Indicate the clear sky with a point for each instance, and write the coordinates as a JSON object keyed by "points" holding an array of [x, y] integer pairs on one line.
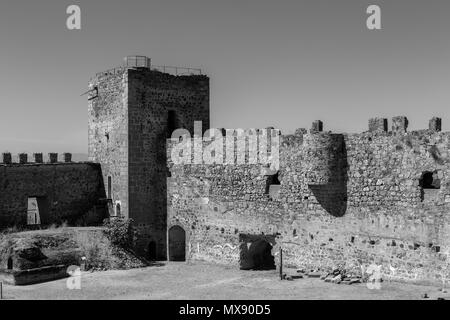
{"points": [[277, 63]]}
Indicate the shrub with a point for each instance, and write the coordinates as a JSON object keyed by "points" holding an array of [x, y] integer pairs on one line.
{"points": [[95, 257], [120, 232]]}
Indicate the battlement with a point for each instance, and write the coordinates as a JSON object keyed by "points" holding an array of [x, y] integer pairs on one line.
{"points": [[373, 195], [400, 124], [38, 158], [380, 125], [319, 147], [375, 126]]}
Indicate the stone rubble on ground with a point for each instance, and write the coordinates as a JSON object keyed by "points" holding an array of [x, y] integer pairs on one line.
{"points": [[337, 276]]}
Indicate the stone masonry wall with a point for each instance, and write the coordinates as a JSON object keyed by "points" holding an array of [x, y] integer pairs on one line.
{"points": [[344, 199], [108, 134], [131, 113], [72, 192], [158, 103]]}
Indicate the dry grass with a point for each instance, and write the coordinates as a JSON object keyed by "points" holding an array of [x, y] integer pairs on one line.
{"points": [[63, 245]]}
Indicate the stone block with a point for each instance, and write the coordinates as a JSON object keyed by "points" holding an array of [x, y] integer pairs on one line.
{"points": [[7, 158], [317, 126], [38, 158], [314, 275], [399, 124], [23, 158], [378, 125], [53, 157], [435, 124], [67, 157]]}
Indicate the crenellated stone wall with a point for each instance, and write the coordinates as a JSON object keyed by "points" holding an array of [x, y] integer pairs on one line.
{"points": [[343, 199]]}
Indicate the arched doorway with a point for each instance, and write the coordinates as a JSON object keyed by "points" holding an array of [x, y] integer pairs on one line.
{"points": [[10, 264], [257, 256], [177, 244]]}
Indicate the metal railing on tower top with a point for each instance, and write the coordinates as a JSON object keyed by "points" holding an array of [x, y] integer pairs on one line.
{"points": [[137, 62], [145, 62], [179, 71]]}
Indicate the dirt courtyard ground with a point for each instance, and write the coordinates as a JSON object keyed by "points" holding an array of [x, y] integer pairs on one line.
{"points": [[209, 282]]}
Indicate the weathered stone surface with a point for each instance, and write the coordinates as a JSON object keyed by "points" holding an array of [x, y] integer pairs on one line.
{"points": [[399, 124], [53, 157], [129, 121], [72, 193], [67, 157], [43, 255], [375, 179], [378, 125], [317, 126], [38, 158], [314, 275], [435, 124], [340, 202], [23, 158], [7, 158]]}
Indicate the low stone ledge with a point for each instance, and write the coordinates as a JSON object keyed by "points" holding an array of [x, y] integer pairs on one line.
{"points": [[33, 276]]}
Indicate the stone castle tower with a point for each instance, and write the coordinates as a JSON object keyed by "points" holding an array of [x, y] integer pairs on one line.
{"points": [[133, 109]]}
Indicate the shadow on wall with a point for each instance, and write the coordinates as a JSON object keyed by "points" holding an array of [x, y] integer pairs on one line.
{"points": [[152, 198], [95, 215], [333, 195]]}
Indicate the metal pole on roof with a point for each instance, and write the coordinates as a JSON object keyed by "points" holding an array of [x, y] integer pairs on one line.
{"points": [[281, 263]]}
